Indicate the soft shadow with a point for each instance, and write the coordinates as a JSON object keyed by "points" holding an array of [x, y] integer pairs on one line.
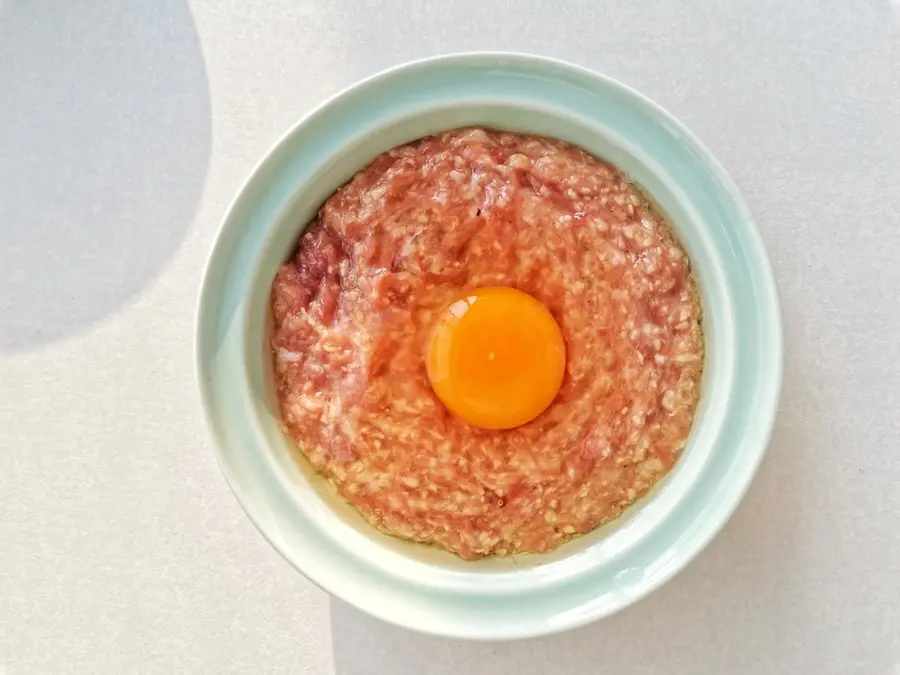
{"points": [[104, 146], [726, 611]]}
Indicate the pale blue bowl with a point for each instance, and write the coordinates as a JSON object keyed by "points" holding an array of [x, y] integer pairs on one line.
{"points": [[426, 589]]}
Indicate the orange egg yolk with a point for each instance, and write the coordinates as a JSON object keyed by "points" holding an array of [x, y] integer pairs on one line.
{"points": [[496, 357]]}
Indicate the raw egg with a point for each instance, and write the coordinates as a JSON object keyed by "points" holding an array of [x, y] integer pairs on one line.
{"points": [[496, 357]]}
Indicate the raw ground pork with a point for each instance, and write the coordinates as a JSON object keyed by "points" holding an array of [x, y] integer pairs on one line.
{"points": [[408, 234]]}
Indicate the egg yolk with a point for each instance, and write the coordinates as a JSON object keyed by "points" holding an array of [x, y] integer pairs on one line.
{"points": [[496, 357]]}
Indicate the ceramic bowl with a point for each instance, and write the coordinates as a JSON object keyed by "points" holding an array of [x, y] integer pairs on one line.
{"points": [[421, 587]]}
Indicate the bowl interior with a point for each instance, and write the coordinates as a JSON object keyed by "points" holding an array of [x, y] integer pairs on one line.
{"points": [[310, 489]]}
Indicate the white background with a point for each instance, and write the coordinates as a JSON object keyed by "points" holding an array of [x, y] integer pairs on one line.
{"points": [[126, 129]]}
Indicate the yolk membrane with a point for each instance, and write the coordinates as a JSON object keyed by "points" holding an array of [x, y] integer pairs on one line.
{"points": [[496, 357]]}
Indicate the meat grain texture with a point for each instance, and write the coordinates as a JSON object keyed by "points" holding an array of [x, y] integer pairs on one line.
{"points": [[464, 209]]}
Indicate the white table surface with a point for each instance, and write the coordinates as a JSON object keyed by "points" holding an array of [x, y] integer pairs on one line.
{"points": [[125, 130]]}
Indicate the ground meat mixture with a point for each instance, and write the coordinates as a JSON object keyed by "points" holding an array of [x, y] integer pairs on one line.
{"points": [[461, 210]]}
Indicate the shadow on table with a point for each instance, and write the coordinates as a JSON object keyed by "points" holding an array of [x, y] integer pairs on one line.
{"points": [[104, 147], [724, 611]]}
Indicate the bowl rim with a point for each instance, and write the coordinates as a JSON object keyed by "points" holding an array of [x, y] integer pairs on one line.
{"points": [[765, 282]]}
